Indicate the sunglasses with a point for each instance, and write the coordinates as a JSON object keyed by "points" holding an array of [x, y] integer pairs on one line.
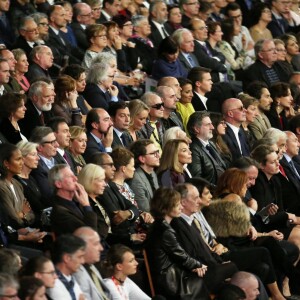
{"points": [[158, 105]]}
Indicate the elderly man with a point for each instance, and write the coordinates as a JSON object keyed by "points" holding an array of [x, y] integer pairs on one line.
{"points": [[185, 41], [207, 162], [235, 138], [42, 60], [71, 206], [9, 287], [248, 283], [266, 68], [41, 96], [88, 276], [190, 9], [154, 129], [158, 16], [4, 74]]}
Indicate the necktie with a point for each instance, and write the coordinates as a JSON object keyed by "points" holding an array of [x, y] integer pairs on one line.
{"points": [[68, 284], [191, 61], [124, 141], [61, 38], [282, 24], [213, 153], [197, 225], [42, 119], [67, 159], [165, 34], [101, 147], [97, 282], [294, 169], [243, 142]]}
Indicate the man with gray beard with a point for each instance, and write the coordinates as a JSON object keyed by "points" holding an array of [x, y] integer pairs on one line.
{"points": [[41, 97]]}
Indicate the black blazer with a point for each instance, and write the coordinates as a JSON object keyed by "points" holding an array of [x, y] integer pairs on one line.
{"points": [[185, 62], [231, 142], [256, 72], [197, 103], [92, 147], [276, 29], [64, 220], [204, 165], [22, 43], [155, 35], [206, 61], [290, 188], [35, 72], [95, 96], [80, 35], [112, 200], [12, 135], [32, 119]]}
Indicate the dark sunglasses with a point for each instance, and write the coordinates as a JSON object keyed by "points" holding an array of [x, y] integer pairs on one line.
{"points": [[158, 105]]}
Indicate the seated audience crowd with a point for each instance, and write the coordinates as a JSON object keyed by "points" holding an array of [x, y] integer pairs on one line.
{"points": [[149, 150]]}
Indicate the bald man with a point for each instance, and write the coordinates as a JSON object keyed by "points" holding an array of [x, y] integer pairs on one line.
{"points": [[248, 283], [235, 138], [88, 276]]}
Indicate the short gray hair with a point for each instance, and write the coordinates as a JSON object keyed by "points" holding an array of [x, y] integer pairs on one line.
{"points": [[55, 174], [136, 20], [38, 16], [39, 133], [26, 147], [147, 97], [195, 120], [36, 89], [177, 35], [103, 57], [7, 281], [274, 135]]}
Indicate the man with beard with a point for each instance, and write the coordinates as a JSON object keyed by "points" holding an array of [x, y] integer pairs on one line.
{"points": [[41, 96], [99, 132], [259, 90], [144, 182], [158, 16], [207, 162]]}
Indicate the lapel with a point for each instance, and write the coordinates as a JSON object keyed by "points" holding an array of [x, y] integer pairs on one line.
{"points": [[143, 178], [232, 138]]}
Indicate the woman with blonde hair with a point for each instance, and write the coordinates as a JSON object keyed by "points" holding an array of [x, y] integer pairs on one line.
{"points": [[92, 177], [176, 154], [77, 145], [139, 112], [65, 103]]}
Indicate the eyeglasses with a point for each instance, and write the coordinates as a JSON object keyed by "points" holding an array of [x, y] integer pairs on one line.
{"points": [[236, 17], [31, 30], [44, 24], [102, 36], [50, 142], [238, 108], [50, 273], [270, 50], [154, 153], [158, 105], [108, 164], [15, 296]]}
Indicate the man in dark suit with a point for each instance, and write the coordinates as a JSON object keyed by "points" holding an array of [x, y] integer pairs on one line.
{"points": [[291, 182], [39, 105], [4, 74], [62, 134], [29, 34], [235, 114], [158, 16], [190, 9], [71, 208], [202, 84], [208, 58], [65, 51], [189, 237], [81, 18], [110, 9], [42, 60], [47, 150], [185, 42], [120, 116], [266, 68], [6, 31], [207, 162], [99, 132]]}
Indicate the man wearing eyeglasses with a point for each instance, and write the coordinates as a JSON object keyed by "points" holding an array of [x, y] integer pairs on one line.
{"points": [[266, 68], [29, 35], [190, 9], [47, 150], [235, 114], [144, 182], [154, 128], [9, 287]]}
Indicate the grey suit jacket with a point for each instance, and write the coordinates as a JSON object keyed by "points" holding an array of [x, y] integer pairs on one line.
{"points": [[142, 188], [185, 63], [259, 126], [87, 285]]}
